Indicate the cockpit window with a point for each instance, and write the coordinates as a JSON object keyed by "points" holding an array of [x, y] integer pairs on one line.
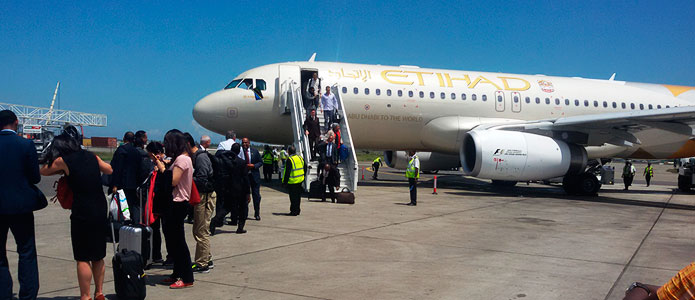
{"points": [[260, 84], [232, 84], [246, 84]]}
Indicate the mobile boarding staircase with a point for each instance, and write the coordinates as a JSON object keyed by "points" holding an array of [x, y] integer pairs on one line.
{"points": [[291, 97]]}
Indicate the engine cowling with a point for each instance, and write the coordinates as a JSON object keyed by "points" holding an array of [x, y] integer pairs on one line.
{"points": [[519, 156], [429, 161]]}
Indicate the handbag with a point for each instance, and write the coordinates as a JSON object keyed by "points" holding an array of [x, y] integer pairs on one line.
{"points": [[41, 201], [345, 196], [195, 196], [63, 193]]}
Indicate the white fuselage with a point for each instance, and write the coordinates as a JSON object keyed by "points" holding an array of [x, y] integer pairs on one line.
{"points": [[398, 108]]}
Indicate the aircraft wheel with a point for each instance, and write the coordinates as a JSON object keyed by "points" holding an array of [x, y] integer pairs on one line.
{"points": [[503, 183], [684, 183], [588, 185]]}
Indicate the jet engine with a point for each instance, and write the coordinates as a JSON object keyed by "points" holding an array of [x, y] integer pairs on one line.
{"points": [[429, 161], [519, 156]]}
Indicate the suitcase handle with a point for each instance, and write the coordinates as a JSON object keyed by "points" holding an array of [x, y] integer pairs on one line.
{"points": [[345, 189]]}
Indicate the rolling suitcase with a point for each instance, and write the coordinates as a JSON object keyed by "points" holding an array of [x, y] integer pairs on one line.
{"points": [[315, 190], [128, 274], [138, 236]]}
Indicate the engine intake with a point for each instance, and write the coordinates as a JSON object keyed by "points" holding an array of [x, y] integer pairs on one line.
{"points": [[429, 161], [519, 156]]}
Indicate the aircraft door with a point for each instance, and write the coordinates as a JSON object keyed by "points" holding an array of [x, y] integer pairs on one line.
{"points": [[516, 102], [288, 77], [499, 101]]}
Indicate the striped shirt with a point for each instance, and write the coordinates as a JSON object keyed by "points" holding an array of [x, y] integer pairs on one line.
{"points": [[680, 287]]}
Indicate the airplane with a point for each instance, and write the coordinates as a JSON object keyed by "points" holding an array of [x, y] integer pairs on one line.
{"points": [[499, 126]]}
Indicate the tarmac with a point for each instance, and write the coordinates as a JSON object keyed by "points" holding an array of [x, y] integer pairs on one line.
{"points": [[470, 241]]}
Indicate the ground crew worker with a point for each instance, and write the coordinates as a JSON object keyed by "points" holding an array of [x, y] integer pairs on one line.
{"points": [[283, 159], [413, 174], [648, 173], [295, 168], [375, 165], [267, 164], [276, 155], [628, 174]]}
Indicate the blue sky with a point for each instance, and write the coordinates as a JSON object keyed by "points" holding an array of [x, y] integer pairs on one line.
{"points": [[146, 63]]}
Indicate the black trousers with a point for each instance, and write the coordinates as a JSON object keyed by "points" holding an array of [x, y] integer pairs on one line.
{"points": [[157, 239], [268, 172], [22, 227], [331, 190], [236, 203], [176, 241], [295, 191], [628, 181], [412, 185], [648, 179], [376, 170], [312, 146], [256, 195]]}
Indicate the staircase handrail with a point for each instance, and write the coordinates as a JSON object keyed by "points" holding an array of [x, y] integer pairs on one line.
{"points": [[346, 138]]}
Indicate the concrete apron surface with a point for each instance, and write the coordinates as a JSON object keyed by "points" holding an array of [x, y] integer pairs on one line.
{"points": [[471, 241]]}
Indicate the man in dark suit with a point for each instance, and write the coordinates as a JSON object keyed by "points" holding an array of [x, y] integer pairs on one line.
{"points": [[312, 129], [127, 170], [254, 162], [236, 190], [18, 200], [328, 153], [329, 177]]}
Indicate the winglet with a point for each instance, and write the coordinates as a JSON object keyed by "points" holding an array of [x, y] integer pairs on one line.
{"points": [[313, 57], [612, 77]]}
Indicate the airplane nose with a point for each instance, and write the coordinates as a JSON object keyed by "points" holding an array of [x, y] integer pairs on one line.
{"points": [[209, 109]]}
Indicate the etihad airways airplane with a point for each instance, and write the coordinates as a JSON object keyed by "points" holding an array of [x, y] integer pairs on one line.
{"points": [[504, 127]]}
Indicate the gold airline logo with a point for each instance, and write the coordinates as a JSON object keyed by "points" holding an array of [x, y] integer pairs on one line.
{"points": [[402, 77]]}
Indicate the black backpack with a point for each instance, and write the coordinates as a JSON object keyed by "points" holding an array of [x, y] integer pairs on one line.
{"points": [[129, 275], [209, 185]]}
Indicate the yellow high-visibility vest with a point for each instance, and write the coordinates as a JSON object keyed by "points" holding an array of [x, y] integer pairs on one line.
{"points": [[267, 158], [411, 171], [297, 171]]}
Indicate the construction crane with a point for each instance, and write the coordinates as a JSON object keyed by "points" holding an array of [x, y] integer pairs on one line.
{"points": [[40, 124]]}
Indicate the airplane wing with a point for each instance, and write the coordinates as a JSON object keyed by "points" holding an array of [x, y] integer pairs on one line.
{"points": [[612, 128]]}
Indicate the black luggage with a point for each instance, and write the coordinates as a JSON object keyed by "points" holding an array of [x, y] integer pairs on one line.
{"points": [[129, 276], [315, 190]]}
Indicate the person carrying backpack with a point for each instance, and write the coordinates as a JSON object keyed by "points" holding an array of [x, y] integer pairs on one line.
{"points": [[203, 176]]}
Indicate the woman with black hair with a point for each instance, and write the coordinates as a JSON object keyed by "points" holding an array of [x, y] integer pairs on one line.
{"points": [[181, 167], [88, 215]]}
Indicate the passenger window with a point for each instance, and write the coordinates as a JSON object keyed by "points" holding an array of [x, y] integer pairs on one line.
{"points": [[605, 104], [499, 98], [567, 102], [538, 100], [344, 90], [595, 103], [400, 93], [422, 94], [432, 95], [615, 105], [388, 92], [453, 96], [622, 104], [410, 94], [473, 97], [576, 102], [484, 97], [658, 106], [355, 91], [260, 84], [667, 106], [378, 92], [232, 84], [632, 105], [463, 96], [586, 103], [641, 106], [557, 101], [516, 99], [366, 91], [442, 95], [528, 100], [547, 101], [651, 107]]}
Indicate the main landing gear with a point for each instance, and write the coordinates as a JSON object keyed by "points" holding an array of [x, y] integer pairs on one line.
{"points": [[585, 184]]}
